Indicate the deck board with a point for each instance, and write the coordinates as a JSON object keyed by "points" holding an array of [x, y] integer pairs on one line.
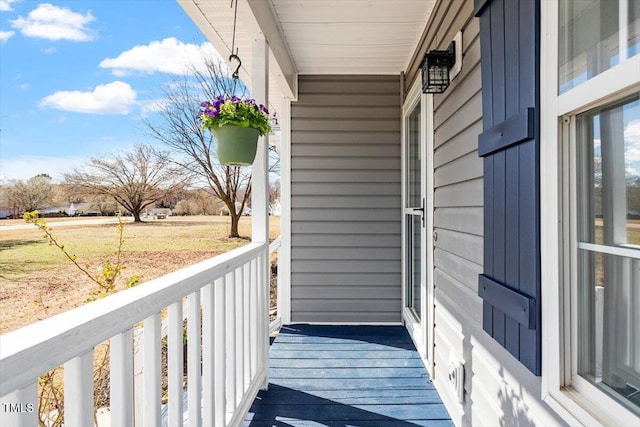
{"points": [[340, 376]]}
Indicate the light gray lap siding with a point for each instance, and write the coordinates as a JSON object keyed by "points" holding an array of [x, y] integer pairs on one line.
{"points": [[345, 199]]}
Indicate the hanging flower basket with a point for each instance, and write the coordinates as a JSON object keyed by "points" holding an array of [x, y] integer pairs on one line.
{"points": [[235, 145], [236, 125]]}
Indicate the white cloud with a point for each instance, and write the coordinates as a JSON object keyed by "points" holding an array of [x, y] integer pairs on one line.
{"points": [[632, 147], [6, 35], [167, 56], [29, 166], [153, 106], [5, 5], [55, 23], [632, 132], [112, 98]]}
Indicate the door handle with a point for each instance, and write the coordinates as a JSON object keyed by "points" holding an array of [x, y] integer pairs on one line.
{"points": [[421, 210]]}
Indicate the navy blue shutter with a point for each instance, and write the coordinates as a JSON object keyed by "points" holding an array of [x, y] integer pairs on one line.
{"points": [[509, 145]]}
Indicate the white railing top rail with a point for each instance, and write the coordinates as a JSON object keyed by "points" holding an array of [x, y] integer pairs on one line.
{"points": [[275, 245], [28, 352]]}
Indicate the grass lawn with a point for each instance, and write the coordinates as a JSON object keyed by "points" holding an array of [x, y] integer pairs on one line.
{"points": [[37, 281]]}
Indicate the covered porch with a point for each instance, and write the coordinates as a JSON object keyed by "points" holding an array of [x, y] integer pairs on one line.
{"points": [[337, 73], [411, 261], [346, 375], [340, 261]]}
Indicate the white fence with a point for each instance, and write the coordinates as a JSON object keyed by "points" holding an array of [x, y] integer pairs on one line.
{"points": [[225, 301]]}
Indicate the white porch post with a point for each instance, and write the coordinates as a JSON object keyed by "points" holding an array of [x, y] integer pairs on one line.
{"points": [[260, 198], [260, 171], [284, 257]]}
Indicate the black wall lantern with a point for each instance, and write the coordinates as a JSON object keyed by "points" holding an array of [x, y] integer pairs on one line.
{"points": [[435, 69]]}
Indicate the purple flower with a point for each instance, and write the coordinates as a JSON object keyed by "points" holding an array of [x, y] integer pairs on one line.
{"points": [[264, 109]]}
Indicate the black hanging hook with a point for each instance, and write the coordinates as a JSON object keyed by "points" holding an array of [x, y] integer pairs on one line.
{"points": [[234, 51], [236, 72]]}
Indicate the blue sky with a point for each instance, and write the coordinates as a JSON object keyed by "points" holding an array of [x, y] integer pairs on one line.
{"points": [[77, 76]]}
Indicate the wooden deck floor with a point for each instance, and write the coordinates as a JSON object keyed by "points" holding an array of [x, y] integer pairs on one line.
{"points": [[339, 376]]}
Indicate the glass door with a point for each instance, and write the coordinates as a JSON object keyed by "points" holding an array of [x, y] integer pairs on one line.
{"points": [[414, 212], [417, 221]]}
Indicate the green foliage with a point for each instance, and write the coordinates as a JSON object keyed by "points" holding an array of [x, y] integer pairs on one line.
{"points": [[51, 392], [109, 272], [235, 111]]}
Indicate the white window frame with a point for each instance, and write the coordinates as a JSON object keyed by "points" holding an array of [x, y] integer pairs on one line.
{"points": [[577, 401]]}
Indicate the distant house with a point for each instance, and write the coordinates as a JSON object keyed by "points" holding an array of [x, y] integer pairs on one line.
{"points": [[83, 209], [224, 210], [275, 208], [56, 211], [160, 213]]}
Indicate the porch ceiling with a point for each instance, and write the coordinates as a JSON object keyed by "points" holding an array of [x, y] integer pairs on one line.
{"points": [[352, 36], [317, 37]]}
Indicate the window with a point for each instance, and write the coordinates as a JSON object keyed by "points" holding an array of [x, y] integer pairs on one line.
{"points": [[608, 249], [594, 36], [590, 209]]}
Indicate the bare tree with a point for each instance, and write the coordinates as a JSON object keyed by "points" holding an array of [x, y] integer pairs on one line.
{"points": [[36, 193], [274, 192], [135, 179], [106, 204], [204, 201], [178, 127]]}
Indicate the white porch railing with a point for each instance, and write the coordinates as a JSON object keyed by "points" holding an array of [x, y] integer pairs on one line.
{"points": [[226, 308]]}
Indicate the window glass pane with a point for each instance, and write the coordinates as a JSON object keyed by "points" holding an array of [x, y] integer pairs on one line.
{"points": [[632, 170], [595, 35], [414, 260], [609, 155], [414, 199], [608, 150], [634, 28], [589, 39], [609, 325]]}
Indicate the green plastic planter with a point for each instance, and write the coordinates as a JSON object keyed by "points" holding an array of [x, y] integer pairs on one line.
{"points": [[235, 145]]}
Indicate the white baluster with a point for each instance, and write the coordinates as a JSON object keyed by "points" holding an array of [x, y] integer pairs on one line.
{"points": [[231, 342], [121, 380], [239, 312], [78, 391], [20, 408], [219, 371], [151, 388], [194, 369], [253, 295], [246, 303], [264, 311], [208, 349], [176, 364]]}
